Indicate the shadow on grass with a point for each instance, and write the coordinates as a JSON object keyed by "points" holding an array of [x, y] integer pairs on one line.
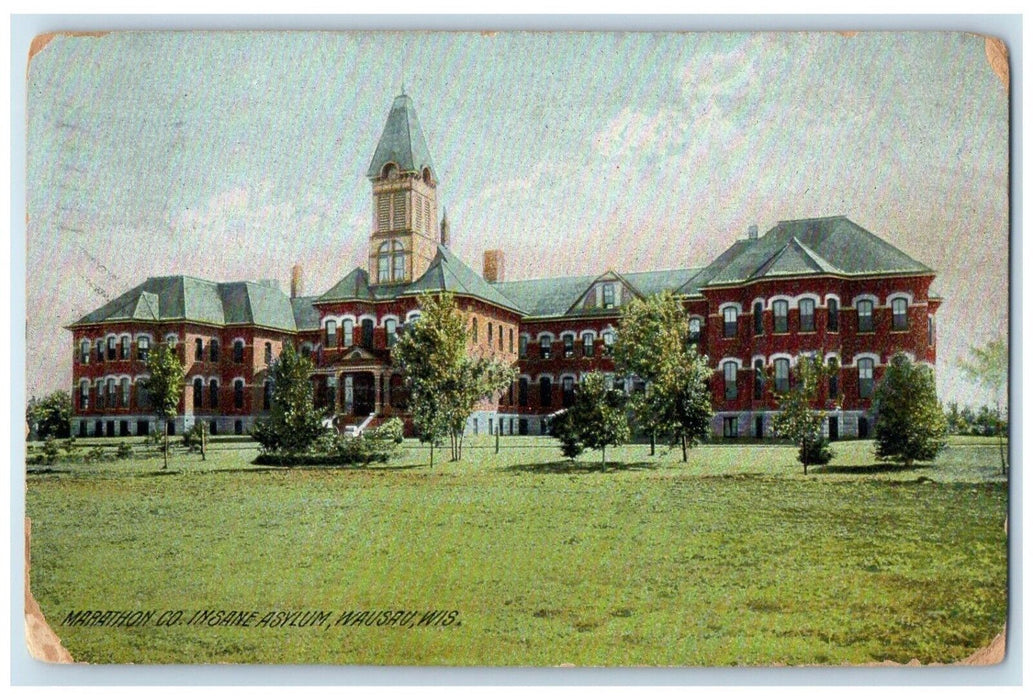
{"points": [[266, 468], [877, 468], [46, 470], [568, 467]]}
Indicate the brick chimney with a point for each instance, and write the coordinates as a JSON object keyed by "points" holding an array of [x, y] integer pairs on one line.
{"points": [[752, 231], [297, 285], [494, 266]]}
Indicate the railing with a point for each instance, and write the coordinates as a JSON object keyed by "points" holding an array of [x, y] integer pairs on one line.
{"points": [[356, 430]]}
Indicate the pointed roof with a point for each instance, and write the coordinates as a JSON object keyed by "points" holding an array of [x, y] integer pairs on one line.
{"points": [[354, 285], [402, 141]]}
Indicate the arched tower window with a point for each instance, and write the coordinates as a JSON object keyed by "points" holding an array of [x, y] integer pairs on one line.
{"points": [[390, 262]]}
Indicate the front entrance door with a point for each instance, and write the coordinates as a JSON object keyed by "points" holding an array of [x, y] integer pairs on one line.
{"points": [[833, 428], [365, 396]]}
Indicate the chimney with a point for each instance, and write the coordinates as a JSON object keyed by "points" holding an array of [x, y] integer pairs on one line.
{"points": [[494, 266], [444, 227], [752, 231], [297, 286]]}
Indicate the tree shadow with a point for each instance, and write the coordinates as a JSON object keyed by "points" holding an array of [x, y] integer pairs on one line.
{"points": [[867, 469], [35, 471], [569, 467]]}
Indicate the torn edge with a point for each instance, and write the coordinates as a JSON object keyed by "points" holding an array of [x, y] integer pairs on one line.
{"points": [[42, 643]]}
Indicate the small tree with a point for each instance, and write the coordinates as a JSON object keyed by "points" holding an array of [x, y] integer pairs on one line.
{"points": [[988, 367], [50, 416], [653, 345], [597, 419], [446, 383], [909, 425], [798, 419], [165, 387], [294, 424]]}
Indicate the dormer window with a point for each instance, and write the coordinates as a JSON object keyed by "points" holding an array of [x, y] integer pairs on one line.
{"points": [[608, 296]]}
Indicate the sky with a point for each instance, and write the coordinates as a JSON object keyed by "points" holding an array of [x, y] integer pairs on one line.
{"points": [[233, 156]]}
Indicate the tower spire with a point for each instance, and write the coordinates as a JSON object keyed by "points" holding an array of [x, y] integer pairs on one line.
{"points": [[444, 226]]}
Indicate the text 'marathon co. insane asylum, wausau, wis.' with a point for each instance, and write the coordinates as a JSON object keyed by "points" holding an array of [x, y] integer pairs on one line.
{"points": [[815, 285]]}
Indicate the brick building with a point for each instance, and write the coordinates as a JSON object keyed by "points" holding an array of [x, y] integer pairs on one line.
{"points": [[822, 285]]}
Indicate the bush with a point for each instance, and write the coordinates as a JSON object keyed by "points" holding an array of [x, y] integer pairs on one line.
{"points": [[193, 437], [815, 452], [124, 451], [50, 451], [94, 454], [333, 449]]}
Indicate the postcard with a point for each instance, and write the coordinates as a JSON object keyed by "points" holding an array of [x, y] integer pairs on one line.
{"points": [[606, 349]]}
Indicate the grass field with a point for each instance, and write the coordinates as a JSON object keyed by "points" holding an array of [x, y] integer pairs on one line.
{"points": [[735, 558]]}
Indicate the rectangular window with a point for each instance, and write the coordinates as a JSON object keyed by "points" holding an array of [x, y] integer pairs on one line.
{"points": [[125, 392], [932, 331], [545, 344], [511, 340], [238, 351], [864, 317], [806, 315], [522, 391], [198, 393], [100, 350], [545, 392], [780, 314], [367, 333], [588, 345], [112, 394], [198, 350], [731, 322], [833, 385], [383, 212], [731, 375], [267, 395], [833, 316], [491, 334], [100, 394], [695, 330], [758, 318], [111, 349], [568, 392], [568, 345], [268, 353], [608, 340], [143, 348], [213, 393], [781, 376], [347, 333], [84, 352], [331, 334], [865, 377], [608, 296], [523, 347], [391, 329], [123, 348], [731, 427], [398, 210], [84, 396], [143, 399], [758, 379], [213, 350], [238, 394]]}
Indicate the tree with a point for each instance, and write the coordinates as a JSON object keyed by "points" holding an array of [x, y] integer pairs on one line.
{"points": [[51, 416], [446, 383], [798, 419], [597, 419], [988, 367], [653, 345], [956, 421], [164, 387], [294, 424], [909, 424]]}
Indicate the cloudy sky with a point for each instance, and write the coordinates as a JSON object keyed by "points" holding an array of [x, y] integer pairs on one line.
{"points": [[234, 155]]}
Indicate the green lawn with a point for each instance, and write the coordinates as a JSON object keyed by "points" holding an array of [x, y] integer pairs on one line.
{"points": [[733, 558]]}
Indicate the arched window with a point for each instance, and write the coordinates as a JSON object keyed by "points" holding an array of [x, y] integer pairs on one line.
{"points": [[84, 352], [213, 350], [588, 345], [490, 336], [731, 322], [695, 330], [100, 350], [781, 375], [198, 350], [865, 377], [124, 386], [568, 392], [806, 315], [112, 393], [545, 345], [390, 262], [833, 316], [391, 328], [900, 314], [931, 330], [864, 317], [238, 393], [568, 345], [522, 391], [238, 351], [100, 393], [758, 379], [608, 340], [198, 392], [833, 379], [511, 339], [523, 347], [780, 315], [306, 349], [143, 398], [545, 391], [367, 333], [758, 318], [143, 348], [331, 334], [473, 330], [123, 347], [268, 353], [731, 383], [213, 393], [348, 333], [267, 395], [84, 392], [111, 349]]}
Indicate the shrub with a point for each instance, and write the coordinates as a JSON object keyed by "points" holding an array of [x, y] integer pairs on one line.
{"points": [[815, 452], [124, 451], [50, 451], [94, 454]]}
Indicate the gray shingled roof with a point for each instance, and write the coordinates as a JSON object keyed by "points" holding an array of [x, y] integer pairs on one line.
{"points": [[827, 245], [556, 295], [445, 273], [402, 141], [180, 297]]}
